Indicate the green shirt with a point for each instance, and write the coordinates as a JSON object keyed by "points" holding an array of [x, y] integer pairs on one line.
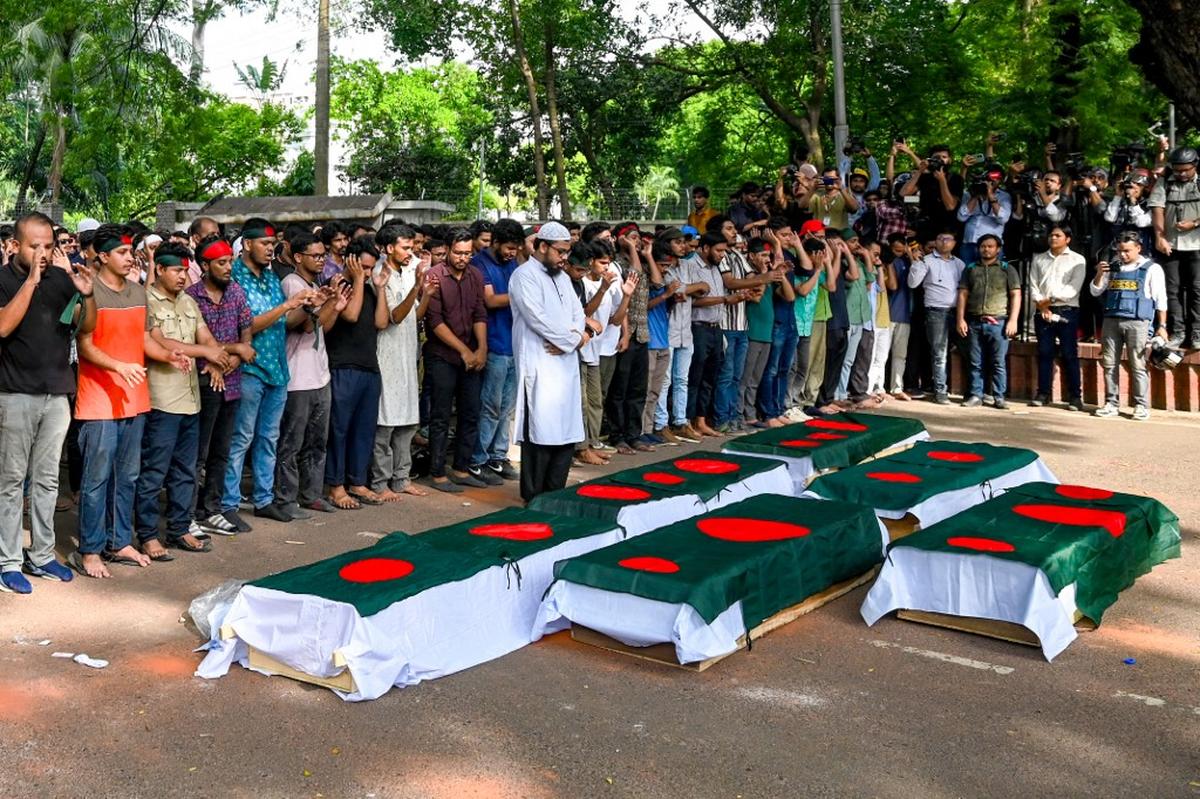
{"points": [[858, 304], [806, 305], [760, 317], [988, 288]]}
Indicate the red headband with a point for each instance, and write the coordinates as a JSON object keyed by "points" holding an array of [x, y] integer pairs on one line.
{"points": [[627, 229], [218, 249]]}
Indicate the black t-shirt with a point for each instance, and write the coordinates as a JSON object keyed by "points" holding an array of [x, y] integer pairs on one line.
{"points": [[353, 344], [35, 358], [934, 216]]}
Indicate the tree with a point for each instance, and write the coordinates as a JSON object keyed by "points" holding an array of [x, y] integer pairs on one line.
{"points": [[1169, 52], [659, 182], [321, 145], [262, 80]]}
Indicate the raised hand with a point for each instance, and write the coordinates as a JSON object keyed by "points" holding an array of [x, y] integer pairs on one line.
{"points": [[353, 268], [630, 284], [380, 277]]}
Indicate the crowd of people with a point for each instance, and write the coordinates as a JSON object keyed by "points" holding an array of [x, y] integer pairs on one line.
{"points": [[305, 369]]}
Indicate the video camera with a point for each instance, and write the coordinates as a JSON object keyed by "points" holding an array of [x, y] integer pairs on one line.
{"points": [[1076, 166], [1127, 156], [936, 164]]}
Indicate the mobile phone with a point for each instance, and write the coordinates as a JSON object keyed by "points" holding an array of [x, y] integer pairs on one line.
{"points": [[829, 181]]}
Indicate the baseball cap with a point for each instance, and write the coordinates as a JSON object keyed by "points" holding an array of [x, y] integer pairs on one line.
{"points": [[860, 172], [689, 232], [672, 233], [812, 226], [86, 224]]}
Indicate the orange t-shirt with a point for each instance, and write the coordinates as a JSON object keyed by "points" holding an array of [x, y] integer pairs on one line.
{"points": [[121, 324]]}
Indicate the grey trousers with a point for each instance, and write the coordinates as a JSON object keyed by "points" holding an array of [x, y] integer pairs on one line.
{"points": [[799, 373], [303, 441], [391, 466], [900, 331], [757, 355], [659, 371], [1134, 335], [593, 402], [816, 365], [32, 430]]}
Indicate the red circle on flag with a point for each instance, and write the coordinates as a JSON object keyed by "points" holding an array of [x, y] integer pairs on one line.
{"points": [[980, 544], [954, 457], [663, 478], [524, 531], [1082, 492], [893, 477], [706, 466], [834, 424], [375, 570], [649, 563], [827, 436], [627, 493], [749, 531], [799, 442], [1111, 520]]}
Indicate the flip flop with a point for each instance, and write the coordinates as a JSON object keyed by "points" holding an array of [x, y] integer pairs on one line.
{"points": [[179, 543], [111, 557], [164, 557], [75, 561], [363, 499]]}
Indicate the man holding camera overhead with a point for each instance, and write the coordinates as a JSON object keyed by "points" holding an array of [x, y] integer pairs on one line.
{"points": [[939, 191], [1175, 205], [985, 208]]}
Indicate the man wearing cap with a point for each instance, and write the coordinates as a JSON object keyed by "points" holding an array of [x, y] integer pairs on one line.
{"points": [[172, 429], [38, 291], [548, 330], [984, 214], [1175, 206], [265, 381]]}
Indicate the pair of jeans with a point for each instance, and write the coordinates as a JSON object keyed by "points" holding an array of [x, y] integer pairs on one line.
{"points": [[497, 403], [677, 389], [112, 457], [937, 331], [799, 372], [756, 364], [303, 438], [988, 348], [1182, 271], [1134, 336], [451, 386], [32, 430], [625, 398], [1053, 337], [852, 342], [255, 433], [707, 354], [729, 380], [217, 420], [772, 392], [353, 412], [169, 444]]}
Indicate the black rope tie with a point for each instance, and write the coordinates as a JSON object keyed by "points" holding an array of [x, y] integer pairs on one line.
{"points": [[511, 567]]}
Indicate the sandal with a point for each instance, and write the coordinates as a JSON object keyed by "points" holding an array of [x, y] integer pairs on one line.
{"points": [[363, 498], [180, 543], [108, 556]]}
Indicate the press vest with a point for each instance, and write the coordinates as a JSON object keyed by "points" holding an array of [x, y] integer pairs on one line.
{"points": [[1126, 295]]}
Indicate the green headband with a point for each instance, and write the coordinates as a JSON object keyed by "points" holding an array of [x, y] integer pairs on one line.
{"points": [[258, 233], [168, 260], [112, 243]]}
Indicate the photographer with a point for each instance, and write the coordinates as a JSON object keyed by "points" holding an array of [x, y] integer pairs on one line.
{"points": [[1175, 204], [985, 208], [748, 209], [833, 203], [1128, 210], [938, 190], [793, 193]]}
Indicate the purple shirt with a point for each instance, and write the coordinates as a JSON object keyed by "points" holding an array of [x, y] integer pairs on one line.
{"points": [[226, 320], [459, 305]]}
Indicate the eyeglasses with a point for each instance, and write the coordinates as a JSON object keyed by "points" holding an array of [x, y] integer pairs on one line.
{"points": [[312, 254], [560, 251], [945, 238]]}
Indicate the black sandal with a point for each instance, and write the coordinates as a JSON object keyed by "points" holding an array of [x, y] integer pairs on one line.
{"points": [[179, 543]]}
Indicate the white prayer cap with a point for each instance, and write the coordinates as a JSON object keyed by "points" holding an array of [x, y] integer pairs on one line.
{"points": [[553, 231], [86, 224], [153, 240]]}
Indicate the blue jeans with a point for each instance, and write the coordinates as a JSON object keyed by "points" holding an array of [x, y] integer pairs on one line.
{"points": [[1050, 337], [937, 329], [255, 431], [354, 409], [681, 364], [856, 334], [169, 447], [112, 456], [498, 400], [988, 345], [772, 391], [729, 379]]}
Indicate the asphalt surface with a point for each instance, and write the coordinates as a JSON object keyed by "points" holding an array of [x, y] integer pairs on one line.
{"points": [[822, 707]]}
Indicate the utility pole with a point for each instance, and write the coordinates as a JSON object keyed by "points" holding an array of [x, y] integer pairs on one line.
{"points": [[1171, 125], [841, 131], [321, 145]]}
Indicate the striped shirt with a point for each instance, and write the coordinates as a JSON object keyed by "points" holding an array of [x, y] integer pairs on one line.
{"points": [[735, 265]]}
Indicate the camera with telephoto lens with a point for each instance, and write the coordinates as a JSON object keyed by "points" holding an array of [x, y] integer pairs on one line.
{"points": [[854, 146], [978, 186], [1127, 156], [936, 164], [1076, 166]]}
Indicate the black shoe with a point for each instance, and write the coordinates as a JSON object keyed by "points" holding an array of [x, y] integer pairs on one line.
{"points": [[1075, 405], [1000, 404], [238, 523], [505, 470], [469, 480], [486, 475], [1039, 400], [273, 511]]}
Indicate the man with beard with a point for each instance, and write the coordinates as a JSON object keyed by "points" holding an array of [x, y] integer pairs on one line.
{"points": [[336, 239], [548, 330], [35, 380]]}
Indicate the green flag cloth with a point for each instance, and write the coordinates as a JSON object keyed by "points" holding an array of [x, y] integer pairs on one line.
{"points": [[705, 474], [601, 499], [1099, 540], [769, 552], [908, 478], [832, 442], [399, 566]]}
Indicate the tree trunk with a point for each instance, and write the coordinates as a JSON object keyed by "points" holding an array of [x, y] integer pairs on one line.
{"points": [[654, 213], [31, 166], [560, 166], [1169, 53], [54, 181], [321, 145], [535, 110], [587, 147], [1064, 130], [202, 12]]}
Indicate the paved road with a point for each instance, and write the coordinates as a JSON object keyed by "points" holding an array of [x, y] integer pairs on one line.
{"points": [[822, 707]]}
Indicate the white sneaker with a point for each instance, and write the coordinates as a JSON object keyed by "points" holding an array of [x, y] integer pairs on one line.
{"points": [[217, 523], [195, 532], [1141, 413], [1106, 411]]}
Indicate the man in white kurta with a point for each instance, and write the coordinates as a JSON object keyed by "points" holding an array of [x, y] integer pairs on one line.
{"points": [[548, 330]]}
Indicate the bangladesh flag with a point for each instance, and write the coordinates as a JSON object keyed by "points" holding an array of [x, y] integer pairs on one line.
{"points": [[648, 497], [704, 582], [933, 479], [410, 608], [831, 442]]}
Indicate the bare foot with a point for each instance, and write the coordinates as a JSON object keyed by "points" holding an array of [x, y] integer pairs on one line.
{"points": [[341, 499], [364, 494], [128, 551], [389, 496], [93, 566], [589, 458], [153, 549], [415, 490], [774, 423]]}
